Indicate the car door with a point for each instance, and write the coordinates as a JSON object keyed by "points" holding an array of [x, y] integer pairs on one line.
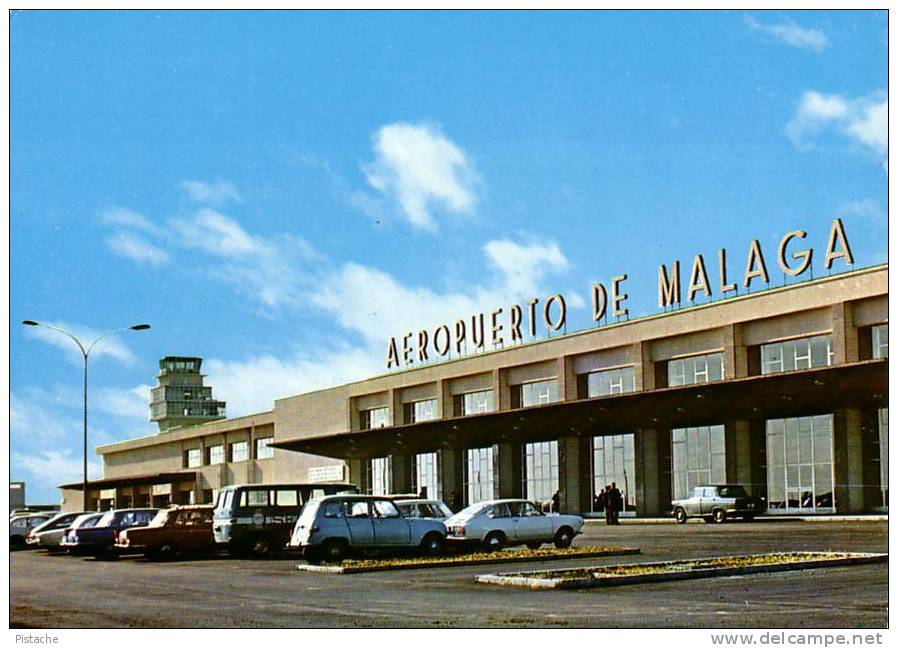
{"points": [[708, 497], [390, 528], [358, 521], [499, 519], [530, 523]]}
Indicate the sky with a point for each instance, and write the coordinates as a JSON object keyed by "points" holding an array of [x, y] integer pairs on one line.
{"points": [[282, 193]]}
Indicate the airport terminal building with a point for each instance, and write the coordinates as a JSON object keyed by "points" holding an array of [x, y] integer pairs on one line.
{"points": [[784, 390]]}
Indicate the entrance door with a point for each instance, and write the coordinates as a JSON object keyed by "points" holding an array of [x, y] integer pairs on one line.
{"points": [[800, 465]]}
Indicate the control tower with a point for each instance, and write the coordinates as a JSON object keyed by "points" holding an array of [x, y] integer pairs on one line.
{"points": [[181, 399]]}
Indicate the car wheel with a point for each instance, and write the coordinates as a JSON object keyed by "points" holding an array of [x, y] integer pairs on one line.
{"points": [[718, 516], [534, 545], [494, 541], [432, 544], [680, 516], [260, 547], [564, 537], [333, 550], [167, 551]]}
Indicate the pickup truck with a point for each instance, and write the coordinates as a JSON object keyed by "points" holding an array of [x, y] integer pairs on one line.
{"points": [[715, 504]]}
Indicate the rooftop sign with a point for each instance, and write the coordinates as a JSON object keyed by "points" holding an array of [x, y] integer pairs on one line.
{"points": [[503, 325]]}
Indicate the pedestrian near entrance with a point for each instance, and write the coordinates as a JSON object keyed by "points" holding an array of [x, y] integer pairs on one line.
{"points": [[455, 501], [598, 502], [556, 501], [609, 505], [617, 504]]}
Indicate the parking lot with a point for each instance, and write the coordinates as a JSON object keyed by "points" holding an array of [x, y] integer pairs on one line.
{"points": [[58, 591]]}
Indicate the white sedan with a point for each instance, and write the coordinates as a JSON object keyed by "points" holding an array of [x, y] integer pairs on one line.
{"points": [[498, 523]]}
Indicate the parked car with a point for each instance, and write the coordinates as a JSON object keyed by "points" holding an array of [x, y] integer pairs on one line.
{"points": [[48, 534], [99, 540], [181, 529], [498, 523], [84, 521], [423, 508], [329, 527], [258, 518], [21, 525], [715, 504]]}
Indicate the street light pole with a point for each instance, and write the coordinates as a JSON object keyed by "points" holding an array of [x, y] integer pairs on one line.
{"points": [[85, 353]]}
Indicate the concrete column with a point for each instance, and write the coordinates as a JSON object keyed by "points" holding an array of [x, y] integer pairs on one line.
{"points": [[357, 473], [444, 400], [757, 438], [396, 410], [401, 471], [844, 338], [848, 459], [737, 440], [574, 476], [644, 377], [450, 472], [734, 352], [567, 380], [652, 450], [501, 391], [508, 471]]}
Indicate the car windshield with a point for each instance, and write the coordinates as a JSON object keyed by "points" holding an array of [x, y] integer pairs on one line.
{"points": [[732, 491], [472, 510], [106, 520]]}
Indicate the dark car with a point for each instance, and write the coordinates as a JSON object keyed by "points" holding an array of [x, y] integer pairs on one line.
{"points": [[715, 504], [99, 540], [182, 529]]}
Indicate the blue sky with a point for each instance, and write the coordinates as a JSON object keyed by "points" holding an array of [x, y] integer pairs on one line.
{"points": [[280, 193]]}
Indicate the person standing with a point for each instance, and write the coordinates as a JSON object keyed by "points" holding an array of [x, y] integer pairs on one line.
{"points": [[598, 502], [617, 504], [609, 505]]}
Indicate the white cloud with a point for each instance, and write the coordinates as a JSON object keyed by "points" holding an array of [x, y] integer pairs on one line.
{"points": [[50, 468], [791, 34], [523, 266], [111, 345], [137, 248], [420, 169], [217, 234], [868, 208], [130, 219], [216, 193], [127, 403], [863, 119]]}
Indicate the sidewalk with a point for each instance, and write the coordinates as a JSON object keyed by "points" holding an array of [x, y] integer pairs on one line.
{"points": [[877, 517]]}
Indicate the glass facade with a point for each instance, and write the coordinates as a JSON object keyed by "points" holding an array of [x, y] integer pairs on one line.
{"points": [[374, 418], [263, 450], [380, 476], [611, 381], [695, 369], [540, 475], [215, 455], [424, 410], [800, 465], [539, 393], [193, 458], [881, 341], [698, 456], [477, 402], [426, 474], [884, 456], [613, 461], [791, 355], [479, 484]]}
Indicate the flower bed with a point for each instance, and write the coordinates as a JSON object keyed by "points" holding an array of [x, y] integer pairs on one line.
{"points": [[600, 576], [479, 558]]}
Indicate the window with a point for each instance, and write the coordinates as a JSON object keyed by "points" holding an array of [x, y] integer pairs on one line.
{"points": [[425, 410], [193, 458], [540, 470], [800, 465], [239, 451], [215, 455], [792, 355], [254, 498], [479, 474], [695, 369], [286, 498], [499, 511], [358, 510], [380, 476], [426, 475], [476, 402], [537, 393], [384, 509], [881, 341], [374, 418], [884, 456], [333, 510], [263, 449], [613, 461], [698, 458], [611, 381]]}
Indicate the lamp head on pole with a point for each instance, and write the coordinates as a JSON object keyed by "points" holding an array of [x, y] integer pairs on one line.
{"points": [[140, 327], [30, 323]]}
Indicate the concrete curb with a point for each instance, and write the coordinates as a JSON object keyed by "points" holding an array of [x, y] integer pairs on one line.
{"points": [[522, 579], [337, 569], [762, 519]]}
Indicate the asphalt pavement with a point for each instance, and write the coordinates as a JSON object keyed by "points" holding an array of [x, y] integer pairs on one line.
{"points": [[59, 591]]}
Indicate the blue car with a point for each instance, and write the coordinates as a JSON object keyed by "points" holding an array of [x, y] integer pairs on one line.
{"points": [[99, 540]]}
